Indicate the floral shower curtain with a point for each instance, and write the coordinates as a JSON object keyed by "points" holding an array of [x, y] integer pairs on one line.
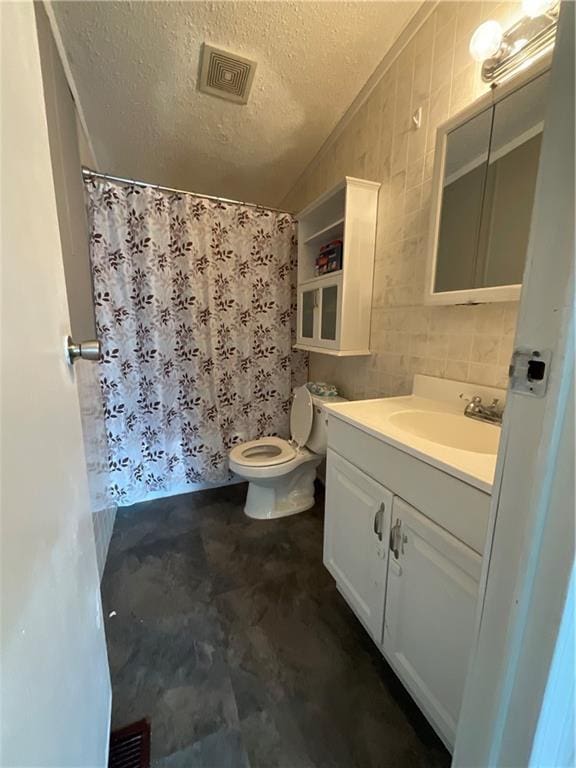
{"points": [[195, 310]]}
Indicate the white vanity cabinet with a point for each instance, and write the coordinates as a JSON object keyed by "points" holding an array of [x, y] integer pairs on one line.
{"points": [[356, 539], [404, 541], [429, 614]]}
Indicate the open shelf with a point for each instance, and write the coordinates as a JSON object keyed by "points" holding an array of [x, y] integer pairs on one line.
{"points": [[324, 210], [319, 224], [319, 279], [327, 233]]}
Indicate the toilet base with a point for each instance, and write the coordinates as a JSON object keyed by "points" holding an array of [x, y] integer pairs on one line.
{"points": [[269, 498]]}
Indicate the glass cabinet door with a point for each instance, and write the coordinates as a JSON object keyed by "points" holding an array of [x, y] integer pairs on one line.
{"points": [[465, 167], [308, 304], [319, 313], [510, 185], [329, 312]]}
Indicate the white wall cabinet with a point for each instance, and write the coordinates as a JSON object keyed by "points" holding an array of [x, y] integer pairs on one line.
{"points": [[334, 309], [319, 312], [356, 532], [412, 584], [429, 615]]}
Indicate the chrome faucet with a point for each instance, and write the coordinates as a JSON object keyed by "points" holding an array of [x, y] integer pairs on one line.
{"points": [[476, 410]]}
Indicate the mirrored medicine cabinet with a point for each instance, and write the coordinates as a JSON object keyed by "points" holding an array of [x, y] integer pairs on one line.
{"points": [[485, 172]]}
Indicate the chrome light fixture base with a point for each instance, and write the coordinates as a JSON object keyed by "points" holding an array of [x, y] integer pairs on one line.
{"points": [[527, 40]]}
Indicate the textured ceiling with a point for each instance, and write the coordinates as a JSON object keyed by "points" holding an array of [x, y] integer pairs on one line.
{"points": [[135, 65]]}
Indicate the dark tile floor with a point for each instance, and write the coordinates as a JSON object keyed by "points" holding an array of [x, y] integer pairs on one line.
{"points": [[230, 636]]}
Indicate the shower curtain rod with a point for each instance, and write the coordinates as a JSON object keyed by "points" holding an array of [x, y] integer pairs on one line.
{"points": [[87, 173]]}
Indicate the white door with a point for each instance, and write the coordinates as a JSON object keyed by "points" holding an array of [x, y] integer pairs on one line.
{"points": [[429, 618], [531, 531], [55, 688], [356, 529]]}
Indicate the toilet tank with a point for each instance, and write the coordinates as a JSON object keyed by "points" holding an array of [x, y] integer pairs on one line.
{"points": [[319, 434]]}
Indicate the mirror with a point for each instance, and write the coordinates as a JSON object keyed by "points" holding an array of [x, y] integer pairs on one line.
{"points": [[463, 190], [486, 172]]}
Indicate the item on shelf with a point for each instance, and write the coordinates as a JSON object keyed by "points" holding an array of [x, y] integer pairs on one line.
{"points": [[322, 389], [329, 258]]}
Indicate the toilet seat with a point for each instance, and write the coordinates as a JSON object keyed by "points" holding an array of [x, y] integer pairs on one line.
{"points": [[264, 452], [272, 451]]}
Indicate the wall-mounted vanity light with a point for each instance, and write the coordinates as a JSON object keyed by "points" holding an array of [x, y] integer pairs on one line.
{"points": [[501, 53]]}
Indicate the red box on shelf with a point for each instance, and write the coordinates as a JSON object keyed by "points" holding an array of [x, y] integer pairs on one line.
{"points": [[330, 258]]}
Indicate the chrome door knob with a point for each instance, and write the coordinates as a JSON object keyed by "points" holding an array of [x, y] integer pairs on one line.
{"points": [[85, 350]]}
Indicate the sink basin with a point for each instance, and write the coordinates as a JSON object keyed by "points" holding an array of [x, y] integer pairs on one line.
{"points": [[449, 429]]}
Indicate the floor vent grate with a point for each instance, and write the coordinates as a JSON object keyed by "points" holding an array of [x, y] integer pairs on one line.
{"points": [[130, 746]]}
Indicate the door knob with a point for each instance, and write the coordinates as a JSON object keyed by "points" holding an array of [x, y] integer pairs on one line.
{"points": [[85, 350]]}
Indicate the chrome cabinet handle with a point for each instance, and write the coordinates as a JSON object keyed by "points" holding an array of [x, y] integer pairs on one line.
{"points": [[85, 350], [378, 521], [394, 535]]}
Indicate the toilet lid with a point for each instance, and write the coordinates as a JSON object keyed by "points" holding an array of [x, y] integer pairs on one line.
{"points": [[301, 416]]}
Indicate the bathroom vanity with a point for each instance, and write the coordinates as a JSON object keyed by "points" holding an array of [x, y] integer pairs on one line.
{"points": [[407, 503]]}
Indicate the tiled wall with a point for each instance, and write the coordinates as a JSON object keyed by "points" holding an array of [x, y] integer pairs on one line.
{"points": [[433, 71]]}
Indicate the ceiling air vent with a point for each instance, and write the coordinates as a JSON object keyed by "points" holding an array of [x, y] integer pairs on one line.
{"points": [[226, 74]]}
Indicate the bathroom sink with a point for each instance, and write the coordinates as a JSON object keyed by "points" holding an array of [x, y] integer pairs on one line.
{"points": [[448, 429], [430, 425]]}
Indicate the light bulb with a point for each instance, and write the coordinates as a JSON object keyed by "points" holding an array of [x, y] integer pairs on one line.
{"points": [[535, 8], [486, 41]]}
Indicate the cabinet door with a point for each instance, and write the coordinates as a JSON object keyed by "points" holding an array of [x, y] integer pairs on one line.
{"points": [[330, 311], [430, 613], [356, 530], [308, 315]]}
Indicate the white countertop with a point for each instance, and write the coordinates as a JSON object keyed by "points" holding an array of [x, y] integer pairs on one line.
{"points": [[373, 417]]}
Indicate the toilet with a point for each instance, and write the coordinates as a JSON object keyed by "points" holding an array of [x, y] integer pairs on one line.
{"points": [[280, 472]]}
